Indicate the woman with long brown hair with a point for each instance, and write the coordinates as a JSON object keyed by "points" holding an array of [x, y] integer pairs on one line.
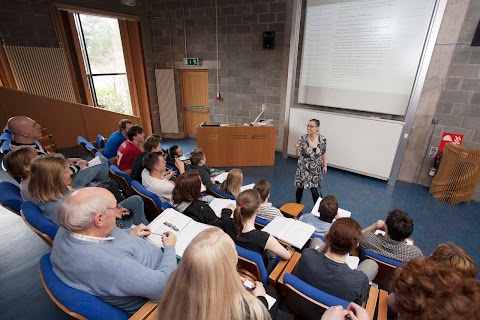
{"points": [[233, 184]]}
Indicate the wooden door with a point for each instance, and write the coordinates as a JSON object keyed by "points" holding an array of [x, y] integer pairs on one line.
{"points": [[194, 92]]}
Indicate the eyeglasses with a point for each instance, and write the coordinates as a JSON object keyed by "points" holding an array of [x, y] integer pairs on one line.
{"points": [[311, 126], [118, 207]]}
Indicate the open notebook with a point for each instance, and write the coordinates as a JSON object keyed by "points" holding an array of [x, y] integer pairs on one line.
{"points": [[184, 227], [341, 212], [294, 232]]}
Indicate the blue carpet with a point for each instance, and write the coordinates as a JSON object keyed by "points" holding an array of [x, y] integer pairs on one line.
{"points": [[371, 199]]}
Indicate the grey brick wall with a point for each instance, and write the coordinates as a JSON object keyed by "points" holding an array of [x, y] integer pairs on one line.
{"points": [[248, 74], [458, 109]]}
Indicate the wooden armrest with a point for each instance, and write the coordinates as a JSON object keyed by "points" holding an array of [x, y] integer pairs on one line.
{"points": [[127, 171], [291, 264], [148, 311], [292, 209], [382, 305], [372, 302], [277, 271]]}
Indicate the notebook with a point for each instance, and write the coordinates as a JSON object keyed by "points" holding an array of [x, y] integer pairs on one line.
{"points": [[293, 232], [218, 204], [184, 228]]}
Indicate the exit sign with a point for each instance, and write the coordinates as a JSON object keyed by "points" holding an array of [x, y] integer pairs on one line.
{"points": [[190, 62]]}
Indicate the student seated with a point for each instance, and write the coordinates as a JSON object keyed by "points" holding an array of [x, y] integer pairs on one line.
{"points": [[25, 131], [153, 143], [92, 255], [187, 199], [155, 177], [117, 138], [198, 162], [130, 149], [326, 268], [242, 230], [206, 284], [353, 312], [233, 183], [18, 165], [328, 210], [267, 210], [397, 228], [50, 182], [173, 157], [427, 290]]}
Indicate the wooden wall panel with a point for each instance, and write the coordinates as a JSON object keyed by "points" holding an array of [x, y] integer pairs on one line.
{"points": [[65, 120]]}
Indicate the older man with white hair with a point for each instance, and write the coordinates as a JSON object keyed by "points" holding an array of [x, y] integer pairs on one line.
{"points": [[91, 254]]}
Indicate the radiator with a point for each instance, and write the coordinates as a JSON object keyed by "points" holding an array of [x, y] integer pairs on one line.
{"points": [[167, 102], [41, 71]]}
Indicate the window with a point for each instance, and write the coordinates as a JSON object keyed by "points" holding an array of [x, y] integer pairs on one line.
{"points": [[102, 51]]}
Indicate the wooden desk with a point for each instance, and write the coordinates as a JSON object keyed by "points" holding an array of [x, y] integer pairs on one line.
{"points": [[238, 145]]}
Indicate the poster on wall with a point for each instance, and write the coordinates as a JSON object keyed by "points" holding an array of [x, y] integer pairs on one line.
{"points": [[450, 137]]}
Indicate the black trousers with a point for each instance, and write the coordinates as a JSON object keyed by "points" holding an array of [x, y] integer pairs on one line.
{"points": [[314, 191]]}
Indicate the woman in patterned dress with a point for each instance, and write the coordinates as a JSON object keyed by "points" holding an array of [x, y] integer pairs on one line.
{"points": [[312, 161]]}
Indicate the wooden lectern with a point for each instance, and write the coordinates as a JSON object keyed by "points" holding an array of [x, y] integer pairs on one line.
{"points": [[232, 146]]}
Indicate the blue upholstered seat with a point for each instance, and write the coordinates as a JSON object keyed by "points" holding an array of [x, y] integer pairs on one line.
{"points": [[75, 301], [10, 196], [37, 221], [174, 169], [217, 193], [100, 141], [123, 180], [261, 222], [365, 253], [154, 205], [87, 145], [255, 258], [5, 136]]}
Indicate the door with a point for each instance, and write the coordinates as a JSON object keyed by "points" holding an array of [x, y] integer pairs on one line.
{"points": [[194, 92]]}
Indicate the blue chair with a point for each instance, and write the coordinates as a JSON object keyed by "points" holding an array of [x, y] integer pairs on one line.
{"points": [[10, 196], [217, 193], [87, 145], [174, 169], [260, 223], [123, 180], [308, 302], [252, 266], [100, 141], [5, 136], [386, 267], [151, 200], [5, 129], [76, 303], [5, 148], [35, 219]]}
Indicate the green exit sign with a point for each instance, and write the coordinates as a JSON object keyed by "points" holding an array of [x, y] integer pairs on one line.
{"points": [[190, 62]]}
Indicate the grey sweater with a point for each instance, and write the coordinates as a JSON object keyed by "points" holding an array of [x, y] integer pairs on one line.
{"points": [[124, 272]]}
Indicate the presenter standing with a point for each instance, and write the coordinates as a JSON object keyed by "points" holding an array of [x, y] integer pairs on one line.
{"points": [[312, 161]]}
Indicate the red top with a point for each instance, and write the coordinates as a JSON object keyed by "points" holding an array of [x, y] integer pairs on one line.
{"points": [[126, 154]]}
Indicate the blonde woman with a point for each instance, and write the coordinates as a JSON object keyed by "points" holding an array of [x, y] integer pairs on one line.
{"points": [[242, 230], [18, 165], [233, 184], [206, 285], [49, 183]]}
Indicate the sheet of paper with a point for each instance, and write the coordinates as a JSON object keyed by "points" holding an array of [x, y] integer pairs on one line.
{"points": [[298, 234], [353, 262], [94, 162], [185, 237], [247, 187], [218, 204], [221, 177], [203, 188], [270, 300], [185, 156], [341, 212], [278, 226]]}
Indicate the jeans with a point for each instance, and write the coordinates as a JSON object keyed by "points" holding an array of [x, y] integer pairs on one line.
{"points": [[134, 203], [97, 173]]}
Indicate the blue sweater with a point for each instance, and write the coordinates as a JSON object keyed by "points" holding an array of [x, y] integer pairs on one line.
{"points": [[125, 272], [321, 227], [113, 142]]}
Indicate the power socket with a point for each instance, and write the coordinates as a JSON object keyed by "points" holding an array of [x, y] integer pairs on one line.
{"points": [[434, 121]]}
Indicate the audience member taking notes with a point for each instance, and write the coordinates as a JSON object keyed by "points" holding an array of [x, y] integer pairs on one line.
{"points": [[328, 210], [242, 230], [119, 267]]}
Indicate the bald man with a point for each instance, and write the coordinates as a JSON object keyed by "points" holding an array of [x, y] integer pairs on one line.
{"points": [[25, 131], [90, 254]]}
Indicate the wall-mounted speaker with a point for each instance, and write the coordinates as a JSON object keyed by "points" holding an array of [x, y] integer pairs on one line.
{"points": [[269, 40], [476, 36]]}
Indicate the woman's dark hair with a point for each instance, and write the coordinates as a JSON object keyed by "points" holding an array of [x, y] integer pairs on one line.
{"points": [[317, 122], [187, 187], [263, 189], [248, 203]]}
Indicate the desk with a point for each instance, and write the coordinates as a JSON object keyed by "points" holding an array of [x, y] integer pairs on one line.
{"points": [[238, 145]]}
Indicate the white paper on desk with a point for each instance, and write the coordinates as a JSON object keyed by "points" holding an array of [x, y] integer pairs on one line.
{"points": [[247, 187], [218, 204], [342, 213], [185, 156], [92, 163], [186, 236], [270, 300], [352, 262], [292, 231], [221, 177], [407, 241], [203, 188]]}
